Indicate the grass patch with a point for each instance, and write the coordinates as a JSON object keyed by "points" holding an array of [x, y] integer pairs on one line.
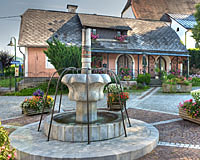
{"points": [[160, 91], [196, 84], [137, 90], [43, 87], [6, 82]]}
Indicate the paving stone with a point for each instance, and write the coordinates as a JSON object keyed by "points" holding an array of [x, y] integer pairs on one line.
{"points": [[118, 148]]}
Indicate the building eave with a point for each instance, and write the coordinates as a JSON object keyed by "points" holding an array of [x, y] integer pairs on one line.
{"points": [[141, 52]]}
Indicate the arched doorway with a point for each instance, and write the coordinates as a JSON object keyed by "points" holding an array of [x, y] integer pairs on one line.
{"points": [[163, 64], [125, 61]]}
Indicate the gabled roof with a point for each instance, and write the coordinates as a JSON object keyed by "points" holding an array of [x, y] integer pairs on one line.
{"points": [[109, 22], [146, 36], [187, 21], [38, 25], [154, 9]]}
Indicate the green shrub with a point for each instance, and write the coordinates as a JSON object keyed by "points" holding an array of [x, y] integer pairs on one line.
{"points": [[196, 95], [140, 86], [6, 152], [170, 76], [144, 78], [195, 81]]}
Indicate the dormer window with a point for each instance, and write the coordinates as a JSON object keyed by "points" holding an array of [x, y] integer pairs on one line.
{"points": [[94, 31]]}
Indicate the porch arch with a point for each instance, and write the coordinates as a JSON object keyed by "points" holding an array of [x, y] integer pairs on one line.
{"points": [[132, 63], [167, 61]]}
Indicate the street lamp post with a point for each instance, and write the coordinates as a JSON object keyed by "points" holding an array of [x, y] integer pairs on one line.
{"points": [[11, 44]]}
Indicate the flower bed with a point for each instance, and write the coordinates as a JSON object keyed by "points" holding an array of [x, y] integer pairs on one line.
{"points": [[174, 82], [183, 114], [176, 88], [189, 109], [34, 105]]}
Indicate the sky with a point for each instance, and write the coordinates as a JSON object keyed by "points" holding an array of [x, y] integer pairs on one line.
{"points": [[9, 27]]}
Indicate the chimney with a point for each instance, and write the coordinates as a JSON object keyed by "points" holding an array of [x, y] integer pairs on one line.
{"points": [[72, 8]]}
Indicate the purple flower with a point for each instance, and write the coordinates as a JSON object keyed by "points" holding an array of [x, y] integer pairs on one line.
{"points": [[38, 93]]}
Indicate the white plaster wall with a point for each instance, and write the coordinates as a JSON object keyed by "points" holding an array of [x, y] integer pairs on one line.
{"points": [[190, 42], [128, 13], [181, 32]]}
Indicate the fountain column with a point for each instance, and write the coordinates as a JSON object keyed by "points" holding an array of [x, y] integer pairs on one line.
{"points": [[77, 84], [86, 50]]}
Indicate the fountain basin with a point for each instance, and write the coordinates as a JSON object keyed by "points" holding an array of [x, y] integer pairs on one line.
{"points": [[30, 144], [65, 128]]}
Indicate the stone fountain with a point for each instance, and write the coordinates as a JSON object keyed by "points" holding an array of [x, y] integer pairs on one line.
{"points": [[85, 124]]}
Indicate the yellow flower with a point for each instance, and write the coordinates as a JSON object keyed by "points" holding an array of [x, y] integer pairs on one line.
{"points": [[49, 98]]}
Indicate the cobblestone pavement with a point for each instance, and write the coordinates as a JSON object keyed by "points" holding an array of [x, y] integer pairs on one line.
{"points": [[9, 105], [178, 138], [172, 153]]}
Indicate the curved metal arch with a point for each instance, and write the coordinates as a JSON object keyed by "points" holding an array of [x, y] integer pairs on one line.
{"points": [[97, 70]]}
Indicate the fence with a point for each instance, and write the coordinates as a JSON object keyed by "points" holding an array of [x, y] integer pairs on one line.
{"points": [[9, 82]]}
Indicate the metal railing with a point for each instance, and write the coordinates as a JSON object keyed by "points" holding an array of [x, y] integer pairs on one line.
{"points": [[78, 71]]}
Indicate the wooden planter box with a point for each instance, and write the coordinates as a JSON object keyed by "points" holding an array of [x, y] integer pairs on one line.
{"points": [[31, 112], [114, 106], [178, 88], [183, 114]]}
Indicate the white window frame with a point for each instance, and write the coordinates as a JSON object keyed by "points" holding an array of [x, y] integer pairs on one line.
{"points": [[48, 64]]}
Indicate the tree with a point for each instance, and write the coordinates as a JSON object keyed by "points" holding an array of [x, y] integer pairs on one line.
{"points": [[196, 29], [5, 59], [62, 56]]}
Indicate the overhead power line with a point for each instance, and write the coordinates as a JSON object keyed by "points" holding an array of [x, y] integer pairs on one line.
{"points": [[9, 17]]}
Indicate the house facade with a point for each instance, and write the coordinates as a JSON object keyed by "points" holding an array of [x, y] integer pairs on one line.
{"points": [[153, 41], [177, 14], [182, 24]]}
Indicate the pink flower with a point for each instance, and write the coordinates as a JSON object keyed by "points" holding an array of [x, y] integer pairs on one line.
{"points": [[9, 156], [185, 109], [15, 154], [195, 114]]}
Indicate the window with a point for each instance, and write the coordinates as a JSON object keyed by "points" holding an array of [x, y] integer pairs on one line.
{"points": [[118, 33], [48, 64], [177, 29], [94, 31]]}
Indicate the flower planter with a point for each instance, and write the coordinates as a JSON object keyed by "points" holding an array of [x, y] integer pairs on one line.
{"points": [[31, 112], [114, 106], [178, 88], [183, 114]]}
